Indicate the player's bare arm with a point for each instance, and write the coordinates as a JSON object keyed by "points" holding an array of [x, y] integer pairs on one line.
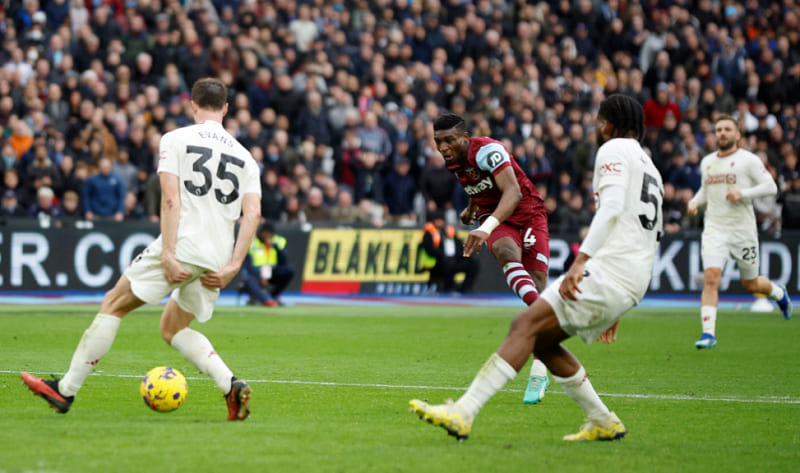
{"points": [[467, 215], [510, 198], [569, 286], [251, 216], [170, 216]]}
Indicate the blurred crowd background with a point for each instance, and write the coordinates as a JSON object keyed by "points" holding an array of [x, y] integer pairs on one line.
{"points": [[335, 98]]}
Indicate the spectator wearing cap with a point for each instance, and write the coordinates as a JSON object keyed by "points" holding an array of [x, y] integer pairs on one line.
{"points": [[9, 206], [657, 108], [400, 189]]}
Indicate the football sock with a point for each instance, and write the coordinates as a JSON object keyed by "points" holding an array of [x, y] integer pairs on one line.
{"points": [[776, 293], [538, 368], [708, 313], [94, 344], [197, 350], [494, 374], [579, 389], [520, 281]]}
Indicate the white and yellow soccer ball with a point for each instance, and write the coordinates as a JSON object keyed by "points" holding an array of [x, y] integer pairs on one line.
{"points": [[163, 389]]}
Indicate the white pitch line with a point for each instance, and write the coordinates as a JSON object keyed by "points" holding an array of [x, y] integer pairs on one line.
{"points": [[660, 397]]}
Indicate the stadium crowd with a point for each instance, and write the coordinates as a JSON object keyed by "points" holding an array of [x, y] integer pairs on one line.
{"points": [[335, 98]]}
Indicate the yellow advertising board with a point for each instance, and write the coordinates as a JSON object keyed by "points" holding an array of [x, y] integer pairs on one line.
{"points": [[364, 256]]}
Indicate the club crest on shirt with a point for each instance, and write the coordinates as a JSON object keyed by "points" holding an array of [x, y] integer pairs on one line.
{"points": [[472, 173]]}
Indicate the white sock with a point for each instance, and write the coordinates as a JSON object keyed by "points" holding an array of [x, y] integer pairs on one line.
{"points": [[538, 368], [776, 293], [94, 344], [197, 350], [494, 374], [708, 314], [579, 389]]}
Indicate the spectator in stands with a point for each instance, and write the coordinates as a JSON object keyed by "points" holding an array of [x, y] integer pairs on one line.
{"points": [[438, 185], [315, 208], [369, 182], [790, 198], [11, 182], [345, 211], [42, 172], [534, 79], [9, 207], [104, 194], [657, 108], [45, 207], [399, 192], [71, 206]]}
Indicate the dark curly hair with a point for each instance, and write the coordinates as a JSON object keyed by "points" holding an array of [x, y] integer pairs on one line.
{"points": [[625, 113]]}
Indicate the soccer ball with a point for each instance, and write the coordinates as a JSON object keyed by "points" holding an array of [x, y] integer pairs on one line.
{"points": [[163, 389]]}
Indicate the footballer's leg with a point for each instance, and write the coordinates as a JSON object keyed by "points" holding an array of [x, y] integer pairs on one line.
{"points": [[708, 309], [93, 346], [600, 424], [499, 369], [197, 350], [774, 290]]}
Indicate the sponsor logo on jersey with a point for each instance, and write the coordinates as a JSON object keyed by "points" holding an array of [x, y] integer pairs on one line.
{"points": [[729, 179], [484, 184], [611, 168], [494, 159]]}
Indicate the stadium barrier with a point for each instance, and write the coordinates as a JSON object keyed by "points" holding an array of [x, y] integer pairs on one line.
{"points": [[88, 256]]}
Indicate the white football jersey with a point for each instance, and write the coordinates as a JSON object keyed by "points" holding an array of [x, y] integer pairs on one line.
{"points": [[739, 170], [215, 171], [629, 251]]}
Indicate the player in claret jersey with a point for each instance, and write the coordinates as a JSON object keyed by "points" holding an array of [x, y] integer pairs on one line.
{"points": [[512, 214], [611, 274], [731, 178]]}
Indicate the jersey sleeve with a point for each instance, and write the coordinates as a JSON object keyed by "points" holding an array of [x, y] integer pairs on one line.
{"points": [[168, 155], [252, 179], [765, 185], [492, 158], [610, 168]]}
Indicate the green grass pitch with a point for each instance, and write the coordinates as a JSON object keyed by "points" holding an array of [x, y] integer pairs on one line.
{"points": [[332, 385]]}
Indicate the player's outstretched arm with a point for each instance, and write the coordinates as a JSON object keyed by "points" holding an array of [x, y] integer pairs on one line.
{"points": [[251, 216]]}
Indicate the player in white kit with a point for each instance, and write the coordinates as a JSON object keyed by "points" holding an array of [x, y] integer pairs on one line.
{"points": [[731, 179], [208, 180], [609, 276]]}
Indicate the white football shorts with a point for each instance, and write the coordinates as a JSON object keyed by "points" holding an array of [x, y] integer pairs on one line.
{"points": [[717, 246], [149, 284], [600, 304]]}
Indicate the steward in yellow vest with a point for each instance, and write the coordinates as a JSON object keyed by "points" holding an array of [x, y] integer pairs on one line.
{"points": [[442, 254], [266, 271]]}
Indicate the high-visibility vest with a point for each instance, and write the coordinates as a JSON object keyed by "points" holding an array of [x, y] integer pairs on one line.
{"points": [[427, 260], [262, 255]]}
